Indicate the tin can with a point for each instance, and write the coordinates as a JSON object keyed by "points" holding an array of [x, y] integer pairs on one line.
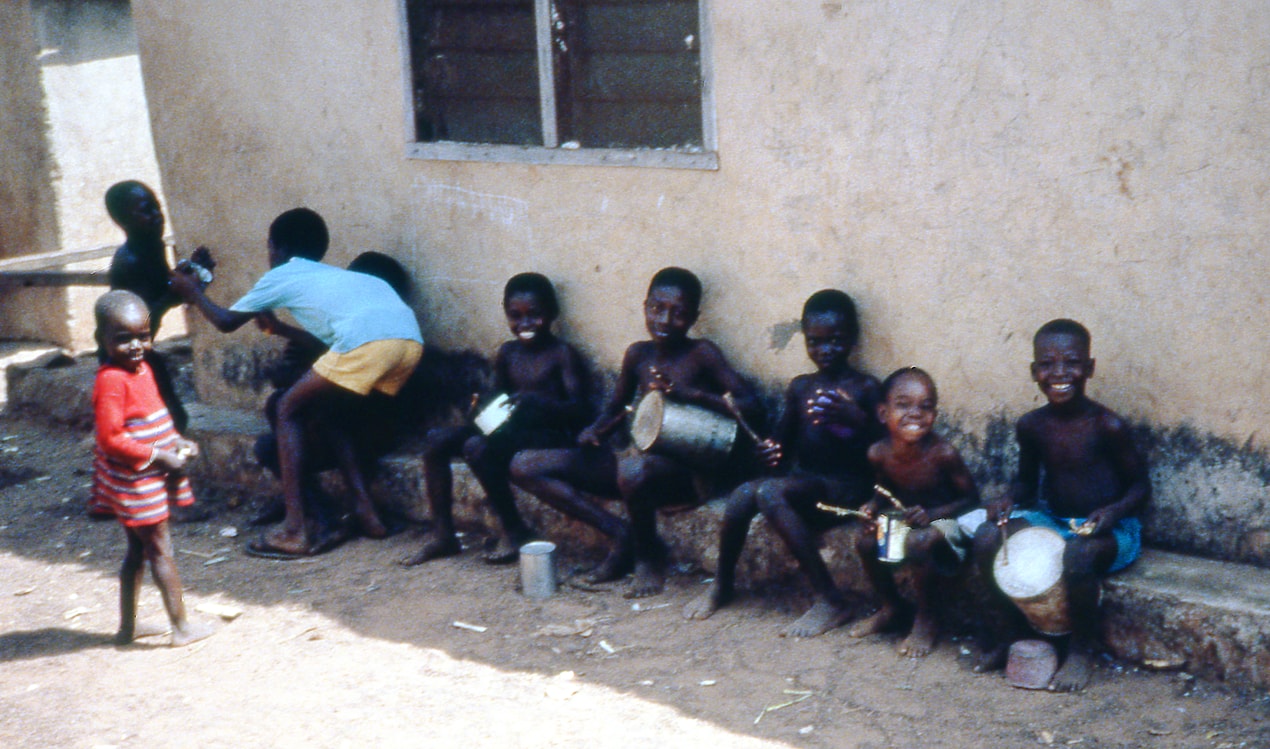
{"points": [[892, 533]]}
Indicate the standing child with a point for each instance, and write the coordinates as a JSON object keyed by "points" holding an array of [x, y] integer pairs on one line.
{"points": [[547, 384], [1078, 467], [686, 370], [825, 427], [927, 475], [374, 344], [139, 462]]}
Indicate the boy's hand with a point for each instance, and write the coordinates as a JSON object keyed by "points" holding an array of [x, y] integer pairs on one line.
{"points": [[1100, 521], [185, 448], [916, 517], [185, 285], [659, 381], [770, 452], [828, 405], [590, 436], [169, 461], [999, 509]]}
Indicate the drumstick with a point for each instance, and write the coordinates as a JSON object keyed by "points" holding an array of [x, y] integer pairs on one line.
{"points": [[1005, 547], [613, 421], [882, 490], [842, 510], [730, 401]]}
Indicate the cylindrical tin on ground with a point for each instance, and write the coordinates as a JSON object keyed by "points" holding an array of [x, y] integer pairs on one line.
{"points": [[538, 569]]}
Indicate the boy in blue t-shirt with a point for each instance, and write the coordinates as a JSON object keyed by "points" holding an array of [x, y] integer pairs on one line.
{"points": [[373, 343]]}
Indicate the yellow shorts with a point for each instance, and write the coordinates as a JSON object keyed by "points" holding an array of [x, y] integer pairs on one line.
{"points": [[379, 365]]}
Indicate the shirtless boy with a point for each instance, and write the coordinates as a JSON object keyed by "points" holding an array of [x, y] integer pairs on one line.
{"points": [[927, 475], [818, 452], [1077, 465], [547, 384], [687, 370]]}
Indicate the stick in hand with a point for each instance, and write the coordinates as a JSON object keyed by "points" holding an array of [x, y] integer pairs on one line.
{"points": [[730, 402]]}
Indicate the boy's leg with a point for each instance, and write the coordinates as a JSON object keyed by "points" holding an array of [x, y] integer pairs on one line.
{"points": [[130, 587], [1000, 620], [561, 478], [648, 482], [925, 551], [1085, 561], [443, 445], [157, 543], [311, 389], [880, 576], [789, 507], [741, 508], [490, 462]]}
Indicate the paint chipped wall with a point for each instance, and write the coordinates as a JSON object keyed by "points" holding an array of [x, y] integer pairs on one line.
{"points": [[965, 170]]}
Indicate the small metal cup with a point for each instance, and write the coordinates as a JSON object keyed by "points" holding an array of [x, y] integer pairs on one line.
{"points": [[538, 569]]}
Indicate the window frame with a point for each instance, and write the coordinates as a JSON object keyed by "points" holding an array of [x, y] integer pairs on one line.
{"points": [[552, 152]]}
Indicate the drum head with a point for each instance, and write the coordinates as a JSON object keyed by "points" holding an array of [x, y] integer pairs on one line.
{"points": [[646, 426], [1032, 563]]}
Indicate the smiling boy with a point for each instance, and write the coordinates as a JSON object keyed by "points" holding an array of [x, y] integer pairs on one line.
{"points": [[1078, 468]]}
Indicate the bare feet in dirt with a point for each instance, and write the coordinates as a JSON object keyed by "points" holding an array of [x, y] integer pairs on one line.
{"points": [[704, 605], [371, 525], [191, 632], [286, 542], [1075, 672], [615, 565], [991, 658], [873, 623], [506, 551], [436, 547], [649, 580], [150, 629], [921, 639], [820, 618]]}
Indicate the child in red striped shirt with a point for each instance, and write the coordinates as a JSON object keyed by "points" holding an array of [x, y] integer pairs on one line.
{"points": [[139, 463]]}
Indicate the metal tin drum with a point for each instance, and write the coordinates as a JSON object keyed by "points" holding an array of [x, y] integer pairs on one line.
{"points": [[697, 435], [538, 569], [1029, 569], [494, 415], [892, 533]]}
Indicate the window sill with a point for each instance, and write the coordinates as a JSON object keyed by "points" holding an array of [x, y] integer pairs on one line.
{"points": [[638, 157]]}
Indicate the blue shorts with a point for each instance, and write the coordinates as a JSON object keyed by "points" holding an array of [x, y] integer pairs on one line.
{"points": [[1128, 533]]}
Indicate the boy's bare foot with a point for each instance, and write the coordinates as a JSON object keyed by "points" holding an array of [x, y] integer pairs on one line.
{"points": [[371, 525], [649, 580], [506, 551], [436, 547], [820, 618], [921, 639], [615, 565], [190, 633], [1075, 672], [285, 542], [150, 629], [704, 605], [991, 658], [874, 623], [123, 638]]}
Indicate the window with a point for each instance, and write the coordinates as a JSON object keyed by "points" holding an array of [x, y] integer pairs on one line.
{"points": [[560, 81]]}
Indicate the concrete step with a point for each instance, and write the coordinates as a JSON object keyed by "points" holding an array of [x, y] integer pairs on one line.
{"points": [[1167, 611]]}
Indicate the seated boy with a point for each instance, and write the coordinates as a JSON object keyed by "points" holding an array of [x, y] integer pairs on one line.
{"points": [[927, 475], [687, 370], [819, 449], [1078, 459], [374, 344], [547, 384]]}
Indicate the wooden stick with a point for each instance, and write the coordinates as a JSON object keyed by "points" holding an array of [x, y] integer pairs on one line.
{"points": [[889, 496], [841, 510], [1005, 547], [730, 401]]}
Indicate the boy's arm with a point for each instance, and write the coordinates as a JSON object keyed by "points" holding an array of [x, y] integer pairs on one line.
{"points": [[1132, 468], [225, 320], [965, 491], [1022, 491], [715, 366], [623, 393]]}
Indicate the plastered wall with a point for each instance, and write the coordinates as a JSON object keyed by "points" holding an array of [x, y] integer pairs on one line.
{"points": [[966, 171]]}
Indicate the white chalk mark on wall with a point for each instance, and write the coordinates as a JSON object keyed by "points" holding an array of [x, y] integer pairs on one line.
{"points": [[452, 216]]}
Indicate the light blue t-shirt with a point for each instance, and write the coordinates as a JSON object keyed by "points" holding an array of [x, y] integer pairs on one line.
{"points": [[344, 309]]}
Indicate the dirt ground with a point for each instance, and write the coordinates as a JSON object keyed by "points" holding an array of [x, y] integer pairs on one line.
{"points": [[348, 649]]}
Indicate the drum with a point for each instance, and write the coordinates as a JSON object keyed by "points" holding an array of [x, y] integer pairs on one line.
{"points": [[1029, 569], [697, 435], [892, 533], [494, 415]]}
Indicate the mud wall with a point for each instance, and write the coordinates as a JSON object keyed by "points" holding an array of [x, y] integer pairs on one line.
{"points": [[965, 170]]}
